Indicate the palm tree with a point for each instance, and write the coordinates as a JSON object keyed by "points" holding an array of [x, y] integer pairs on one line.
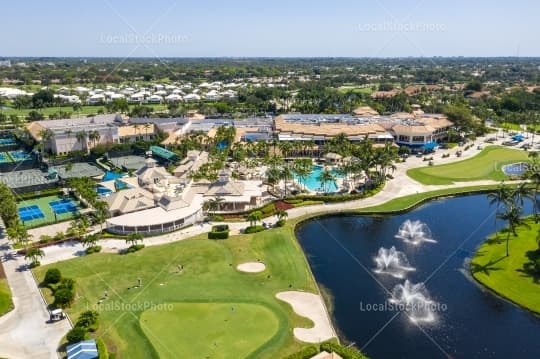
{"points": [[282, 215], [81, 137], [213, 205], [94, 136], [512, 215], [18, 233], [302, 168], [286, 175], [254, 217], [501, 196], [325, 178], [133, 238], [533, 174], [146, 127], [34, 254], [90, 240], [102, 212]]}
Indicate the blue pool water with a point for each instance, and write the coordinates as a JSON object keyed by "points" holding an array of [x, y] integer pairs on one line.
{"points": [[515, 169], [7, 141], [20, 155], [312, 181], [103, 190], [109, 176]]}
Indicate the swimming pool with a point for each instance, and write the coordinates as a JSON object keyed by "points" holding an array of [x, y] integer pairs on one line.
{"points": [[110, 175], [515, 169], [312, 181], [19, 156]]}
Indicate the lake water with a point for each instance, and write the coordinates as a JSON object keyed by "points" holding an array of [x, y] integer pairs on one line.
{"points": [[470, 322]]}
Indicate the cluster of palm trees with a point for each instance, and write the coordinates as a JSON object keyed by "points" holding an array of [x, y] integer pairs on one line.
{"points": [[510, 202]]}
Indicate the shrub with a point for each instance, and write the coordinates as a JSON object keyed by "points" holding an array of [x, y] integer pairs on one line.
{"points": [[292, 201], [88, 320], [94, 249], [219, 232], [344, 352], [76, 335], [52, 276], [45, 239], [66, 283], [253, 229], [216, 218], [268, 210], [135, 248], [305, 353], [537, 265], [281, 223], [102, 349], [63, 297]]}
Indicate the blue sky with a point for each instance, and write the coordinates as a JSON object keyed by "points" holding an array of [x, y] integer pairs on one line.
{"points": [[190, 28]]}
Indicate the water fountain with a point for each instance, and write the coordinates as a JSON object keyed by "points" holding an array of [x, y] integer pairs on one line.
{"points": [[392, 262], [415, 232], [414, 300]]}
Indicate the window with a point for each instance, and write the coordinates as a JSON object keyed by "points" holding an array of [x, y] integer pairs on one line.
{"points": [[418, 139], [403, 138]]}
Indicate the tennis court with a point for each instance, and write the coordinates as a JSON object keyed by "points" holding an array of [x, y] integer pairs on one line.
{"points": [[63, 206], [4, 158], [19, 156], [56, 208], [30, 213]]}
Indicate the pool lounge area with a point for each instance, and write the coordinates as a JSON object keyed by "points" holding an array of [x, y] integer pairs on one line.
{"points": [[313, 183]]}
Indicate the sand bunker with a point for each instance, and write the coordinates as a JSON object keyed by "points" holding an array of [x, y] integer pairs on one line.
{"points": [[311, 306], [251, 267]]}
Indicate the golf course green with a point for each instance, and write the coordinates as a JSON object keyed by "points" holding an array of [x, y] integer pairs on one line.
{"points": [[237, 329], [487, 165], [197, 276]]}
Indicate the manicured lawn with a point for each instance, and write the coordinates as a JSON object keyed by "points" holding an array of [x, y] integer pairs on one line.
{"points": [[487, 165], [85, 110], [208, 276], [512, 277], [209, 330], [407, 202], [5, 297]]}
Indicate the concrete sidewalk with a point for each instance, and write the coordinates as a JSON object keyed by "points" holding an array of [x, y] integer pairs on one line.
{"points": [[24, 332]]}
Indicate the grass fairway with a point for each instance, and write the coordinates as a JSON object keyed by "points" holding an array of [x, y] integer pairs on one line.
{"points": [[209, 330], [512, 277], [5, 297], [487, 165], [208, 276]]}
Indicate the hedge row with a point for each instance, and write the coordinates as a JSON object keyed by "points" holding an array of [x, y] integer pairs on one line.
{"points": [[305, 353], [218, 235], [254, 229], [344, 352]]}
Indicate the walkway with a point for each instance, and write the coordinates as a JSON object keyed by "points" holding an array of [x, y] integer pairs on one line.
{"points": [[24, 332]]}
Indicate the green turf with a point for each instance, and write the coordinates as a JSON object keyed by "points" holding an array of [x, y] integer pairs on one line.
{"points": [[487, 165], [209, 330], [208, 276], [85, 110], [43, 204], [512, 277], [5, 297], [407, 202]]}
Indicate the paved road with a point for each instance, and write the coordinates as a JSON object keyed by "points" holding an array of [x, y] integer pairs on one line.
{"points": [[24, 332]]}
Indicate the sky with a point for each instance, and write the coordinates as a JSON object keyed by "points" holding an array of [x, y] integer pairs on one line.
{"points": [[272, 28]]}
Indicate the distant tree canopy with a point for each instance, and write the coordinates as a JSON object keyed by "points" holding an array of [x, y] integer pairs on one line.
{"points": [[43, 98], [473, 86], [386, 87]]}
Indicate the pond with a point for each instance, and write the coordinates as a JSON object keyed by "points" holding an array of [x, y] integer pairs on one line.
{"points": [[451, 315]]}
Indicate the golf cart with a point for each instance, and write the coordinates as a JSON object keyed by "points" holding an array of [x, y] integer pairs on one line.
{"points": [[56, 315]]}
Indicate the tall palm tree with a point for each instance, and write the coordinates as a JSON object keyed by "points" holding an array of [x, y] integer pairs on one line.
{"points": [[286, 175], [501, 197], [18, 233], [512, 215], [81, 137], [34, 254], [302, 168], [254, 217], [281, 214], [325, 178], [146, 128]]}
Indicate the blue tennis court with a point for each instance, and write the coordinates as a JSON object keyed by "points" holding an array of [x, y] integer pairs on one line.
{"points": [[63, 206], [30, 213]]}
